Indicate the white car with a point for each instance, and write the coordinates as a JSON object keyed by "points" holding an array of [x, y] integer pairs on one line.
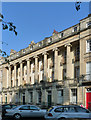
{"points": [[25, 111], [67, 111]]}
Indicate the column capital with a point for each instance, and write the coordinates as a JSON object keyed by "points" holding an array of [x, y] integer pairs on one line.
{"points": [[45, 53], [55, 49], [20, 61], [68, 44], [35, 56], [28, 59], [14, 64], [9, 66]]}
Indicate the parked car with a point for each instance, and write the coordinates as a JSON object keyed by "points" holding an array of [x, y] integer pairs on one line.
{"points": [[67, 111], [25, 111], [7, 106]]}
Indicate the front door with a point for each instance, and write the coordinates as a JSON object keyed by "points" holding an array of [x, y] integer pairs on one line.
{"points": [[23, 98], [88, 99], [49, 98]]}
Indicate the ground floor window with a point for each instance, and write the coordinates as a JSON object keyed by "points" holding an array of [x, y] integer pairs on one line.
{"points": [[10, 97], [23, 95], [31, 97], [88, 71], [60, 97], [39, 96], [5, 98], [73, 98], [49, 98], [16, 97]]}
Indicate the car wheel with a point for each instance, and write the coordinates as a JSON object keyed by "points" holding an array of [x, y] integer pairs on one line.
{"points": [[62, 118], [17, 116]]}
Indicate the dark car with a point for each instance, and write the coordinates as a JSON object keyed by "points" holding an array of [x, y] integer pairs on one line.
{"points": [[7, 106]]}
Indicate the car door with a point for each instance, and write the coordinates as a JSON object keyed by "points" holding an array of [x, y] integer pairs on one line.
{"points": [[35, 111], [82, 112], [58, 112], [24, 111], [70, 112]]}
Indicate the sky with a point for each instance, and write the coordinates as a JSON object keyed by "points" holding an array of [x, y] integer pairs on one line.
{"points": [[37, 20]]}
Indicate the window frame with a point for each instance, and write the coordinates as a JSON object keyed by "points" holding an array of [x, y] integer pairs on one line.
{"points": [[88, 46]]}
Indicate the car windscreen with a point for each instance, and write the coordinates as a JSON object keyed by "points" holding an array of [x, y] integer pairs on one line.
{"points": [[15, 107]]}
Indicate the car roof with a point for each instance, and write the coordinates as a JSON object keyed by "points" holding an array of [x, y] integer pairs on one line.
{"points": [[66, 106], [26, 105]]}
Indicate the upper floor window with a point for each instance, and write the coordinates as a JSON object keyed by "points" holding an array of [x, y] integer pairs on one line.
{"points": [[88, 70], [74, 29], [76, 72], [77, 53], [39, 97], [64, 74], [61, 35], [88, 46], [64, 56], [49, 40], [88, 24]]}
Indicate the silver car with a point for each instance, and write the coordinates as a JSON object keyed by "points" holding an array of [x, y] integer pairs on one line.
{"points": [[25, 111], [67, 111]]}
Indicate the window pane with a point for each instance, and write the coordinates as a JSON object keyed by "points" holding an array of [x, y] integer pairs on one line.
{"points": [[71, 109], [80, 109], [25, 108], [33, 108], [66, 109], [59, 109]]}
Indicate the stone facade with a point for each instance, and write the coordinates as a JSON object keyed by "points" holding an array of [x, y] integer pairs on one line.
{"points": [[50, 72]]}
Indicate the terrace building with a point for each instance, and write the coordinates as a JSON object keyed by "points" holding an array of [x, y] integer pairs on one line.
{"points": [[54, 71]]}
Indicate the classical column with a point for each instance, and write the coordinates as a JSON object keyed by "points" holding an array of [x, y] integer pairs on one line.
{"points": [[45, 66], [28, 71], [69, 61], [55, 63], [9, 80], [21, 73], [82, 61], [54, 90], [15, 74], [68, 75], [36, 69]]}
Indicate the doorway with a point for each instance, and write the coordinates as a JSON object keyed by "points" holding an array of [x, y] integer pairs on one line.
{"points": [[23, 98], [88, 99], [49, 99]]}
